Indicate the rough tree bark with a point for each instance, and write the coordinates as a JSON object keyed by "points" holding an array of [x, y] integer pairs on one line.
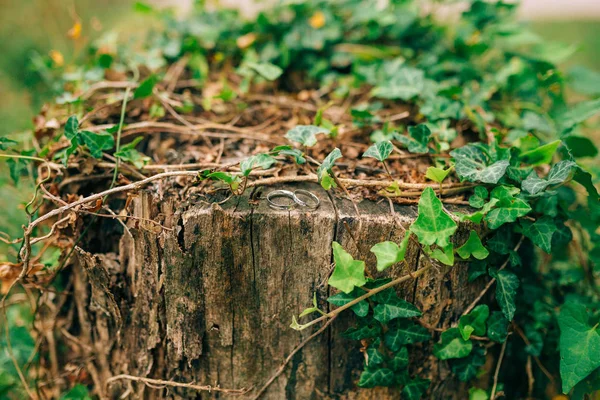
{"points": [[211, 301]]}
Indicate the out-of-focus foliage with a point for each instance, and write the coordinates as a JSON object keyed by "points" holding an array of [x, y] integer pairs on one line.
{"points": [[484, 70]]}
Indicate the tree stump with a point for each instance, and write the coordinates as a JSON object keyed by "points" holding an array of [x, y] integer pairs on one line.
{"points": [[211, 300]]}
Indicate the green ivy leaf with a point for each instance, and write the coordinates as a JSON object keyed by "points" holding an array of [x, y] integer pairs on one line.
{"points": [[266, 70], [374, 356], [389, 253], [71, 127], [129, 154], [579, 345], [146, 87], [97, 142], [536, 122], [232, 180], [477, 200], [361, 308], [497, 327], [476, 269], [142, 7], [77, 392], [477, 216], [366, 331], [540, 155], [473, 247], [329, 161], [506, 291], [327, 181], [5, 143], [380, 150], [508, 207], [406, 83], [437, 174], [402, 332], [348, 272], [290, 151], [395, 308], [584, 80], [371, 378], [418, 140], [589, 385], [467, 368], [306, 135], [452, 345], [540, 232], [533, 184], [584, 178], [559, 173], [445, 255], [433, 225], [478, 394], [577, 114], [414, 389], [324, 171], [262, 161], [400, 359], [580, 146], [18, 166], [474, 164], [474, 322], [312, 309]]}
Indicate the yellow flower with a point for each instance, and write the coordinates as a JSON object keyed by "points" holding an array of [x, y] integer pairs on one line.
{"points": [[317, 20], [75, 32], [57, 58]]}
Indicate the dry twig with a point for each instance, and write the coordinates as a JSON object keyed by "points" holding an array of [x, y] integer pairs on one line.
{"points": [[162, 382]]}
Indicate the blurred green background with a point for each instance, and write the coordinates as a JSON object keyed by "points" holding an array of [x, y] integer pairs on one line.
{"points": [[29, 28]]}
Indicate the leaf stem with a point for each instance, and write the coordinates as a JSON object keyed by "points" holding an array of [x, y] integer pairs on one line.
{"points": [[365, 296], [387, 170], [492, 281], [119, 131]]}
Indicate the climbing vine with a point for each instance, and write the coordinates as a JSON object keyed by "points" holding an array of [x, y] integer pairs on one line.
{"points": [[469, 120]]}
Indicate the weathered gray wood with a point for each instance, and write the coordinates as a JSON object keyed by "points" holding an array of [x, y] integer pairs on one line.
{"points": [[211, 301]]}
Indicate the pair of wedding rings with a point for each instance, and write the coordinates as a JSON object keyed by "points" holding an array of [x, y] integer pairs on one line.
{"points": [[301, 198]]}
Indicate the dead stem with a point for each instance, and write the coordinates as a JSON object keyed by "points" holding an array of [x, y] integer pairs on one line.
{"points": [[492, 281], [497, 373], [365, 296], [356, 182], [161, 382], [541, 366], [106, 85]]}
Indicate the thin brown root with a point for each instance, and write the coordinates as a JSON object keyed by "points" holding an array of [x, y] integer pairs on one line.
{"points": [[161, 382], [493, 393], [490, 283]]}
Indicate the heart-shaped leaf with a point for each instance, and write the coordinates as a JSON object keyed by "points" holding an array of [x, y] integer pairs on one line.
{"points": [[348, 272], [380, 151]]}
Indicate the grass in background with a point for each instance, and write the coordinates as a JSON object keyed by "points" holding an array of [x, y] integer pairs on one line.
{"points": [[29, 27], [586, 34]]}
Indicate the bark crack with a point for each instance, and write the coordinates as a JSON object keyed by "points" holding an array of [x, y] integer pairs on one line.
{"points": [[329, 330], [252, 253], [416, 284]]}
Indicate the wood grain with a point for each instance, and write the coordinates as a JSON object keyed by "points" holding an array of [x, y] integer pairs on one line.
{"points": [[211, 302]]}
